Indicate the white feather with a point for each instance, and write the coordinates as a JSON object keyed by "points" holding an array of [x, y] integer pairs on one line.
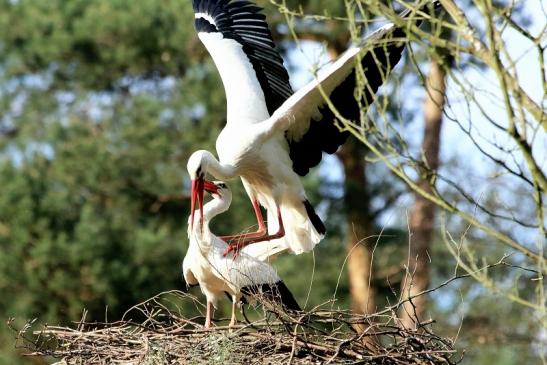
{"points": [[216, 274], [266, 170], [245, 99], [297, 111], [205, 16]]}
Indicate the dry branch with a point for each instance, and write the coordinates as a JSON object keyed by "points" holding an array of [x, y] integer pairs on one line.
{"points": [[165, 336]]}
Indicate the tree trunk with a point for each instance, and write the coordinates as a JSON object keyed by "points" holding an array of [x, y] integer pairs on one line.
{"points": [[422, 215], [352, 156], [357, 204]]}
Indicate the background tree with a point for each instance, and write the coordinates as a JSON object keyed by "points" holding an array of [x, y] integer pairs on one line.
{"points": [[104, 100], [422, 215]]}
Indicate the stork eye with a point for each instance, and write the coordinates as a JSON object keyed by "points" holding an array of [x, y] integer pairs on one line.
{"points": [[199, 173]]}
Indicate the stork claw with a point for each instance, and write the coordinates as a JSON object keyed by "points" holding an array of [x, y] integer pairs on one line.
{"points": [[235, 248]]}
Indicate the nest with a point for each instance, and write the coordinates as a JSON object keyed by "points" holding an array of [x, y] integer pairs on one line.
{"points": [[166, 336]]}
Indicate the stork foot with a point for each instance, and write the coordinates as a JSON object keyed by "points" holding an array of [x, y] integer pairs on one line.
{"points": [[234, 248], [238, 246]]}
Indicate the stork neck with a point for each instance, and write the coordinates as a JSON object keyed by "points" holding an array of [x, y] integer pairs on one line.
{"points": [[218, 170], [211, 210], [214, 207]]}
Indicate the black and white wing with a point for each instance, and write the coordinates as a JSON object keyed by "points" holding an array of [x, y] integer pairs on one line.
{"points": [[251, 277], [237, 36], [312, 123], [277, 292]]}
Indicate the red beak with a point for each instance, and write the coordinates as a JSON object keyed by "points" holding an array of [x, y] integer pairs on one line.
{"points": [[197, 193], [210, 187]]}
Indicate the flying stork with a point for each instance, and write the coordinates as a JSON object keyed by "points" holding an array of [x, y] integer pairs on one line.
{"points": [[272, 135], [245, 276]]}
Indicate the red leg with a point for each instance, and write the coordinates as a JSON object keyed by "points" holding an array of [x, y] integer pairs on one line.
{"points": [[259, 233], [246, 242]]}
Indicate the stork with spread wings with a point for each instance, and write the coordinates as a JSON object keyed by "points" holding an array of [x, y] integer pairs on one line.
{"points": [[273, 135]]}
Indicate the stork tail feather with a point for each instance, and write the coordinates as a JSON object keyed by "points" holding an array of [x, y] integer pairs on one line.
{"points": [[314, 218], [286, 297], [277, 292]]}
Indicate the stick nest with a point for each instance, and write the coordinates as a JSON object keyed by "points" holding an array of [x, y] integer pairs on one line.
{"points": [[163, 335]]}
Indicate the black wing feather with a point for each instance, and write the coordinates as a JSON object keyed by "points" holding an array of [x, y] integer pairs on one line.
{"points": [[244, 22], [277, 292], [323, 135]]}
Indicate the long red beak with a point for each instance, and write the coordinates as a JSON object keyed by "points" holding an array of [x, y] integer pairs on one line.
{"points": [[197, 193]]}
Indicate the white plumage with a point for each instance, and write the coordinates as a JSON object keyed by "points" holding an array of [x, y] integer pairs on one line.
{"points": [[282, 195], [205, 264], [272, 135]]}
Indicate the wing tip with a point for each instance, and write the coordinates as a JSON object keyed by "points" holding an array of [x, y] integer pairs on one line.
{"points": [[277, 292], [286, 297]]}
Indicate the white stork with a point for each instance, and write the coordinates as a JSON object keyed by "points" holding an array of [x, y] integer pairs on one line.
{"points": [[244, 276], [273, 135]]}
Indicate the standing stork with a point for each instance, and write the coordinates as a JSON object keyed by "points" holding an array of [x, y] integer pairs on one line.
{"points": [[245, 276], [272, 135]]}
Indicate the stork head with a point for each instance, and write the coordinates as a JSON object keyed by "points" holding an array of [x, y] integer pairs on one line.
{"points": [[198, 164], [197, 168], [219, 190]]}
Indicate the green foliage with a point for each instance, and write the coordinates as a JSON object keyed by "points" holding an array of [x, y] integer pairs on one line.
{"points": [[96, 43]]}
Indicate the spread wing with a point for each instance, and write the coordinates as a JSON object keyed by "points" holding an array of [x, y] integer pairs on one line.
{"points": [[237, 36], [257, 84], [312, 128]]}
